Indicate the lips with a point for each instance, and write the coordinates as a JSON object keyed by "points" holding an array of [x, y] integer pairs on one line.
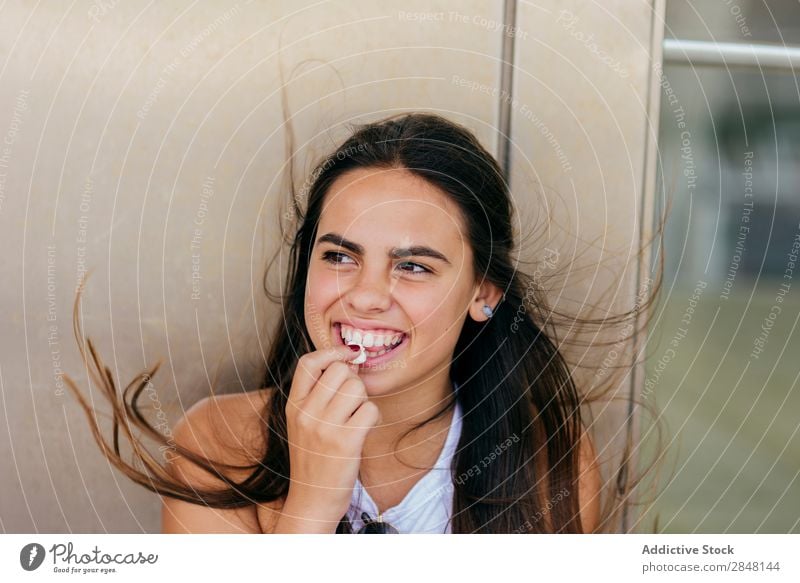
{"points": [[372, 360]]}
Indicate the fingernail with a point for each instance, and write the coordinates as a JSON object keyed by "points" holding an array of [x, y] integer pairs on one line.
{"points": [[362, 354]]}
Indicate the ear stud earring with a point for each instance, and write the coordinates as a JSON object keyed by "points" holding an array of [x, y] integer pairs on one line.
{"points": [[488, 311]]}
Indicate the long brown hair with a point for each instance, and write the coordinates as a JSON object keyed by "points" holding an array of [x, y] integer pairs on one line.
{"points": [[512, 378]]}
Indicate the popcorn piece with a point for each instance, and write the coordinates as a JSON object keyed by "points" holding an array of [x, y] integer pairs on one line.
{"points": [[362, 356]]}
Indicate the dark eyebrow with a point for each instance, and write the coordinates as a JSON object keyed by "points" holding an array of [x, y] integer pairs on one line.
{"points": [[394, 253]]}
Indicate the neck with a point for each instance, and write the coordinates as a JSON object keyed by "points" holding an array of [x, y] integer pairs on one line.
{"points": [[400, 411]]}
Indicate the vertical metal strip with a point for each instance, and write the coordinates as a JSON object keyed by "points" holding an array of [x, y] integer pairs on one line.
{"points": [[506, 87], [646, 217]]}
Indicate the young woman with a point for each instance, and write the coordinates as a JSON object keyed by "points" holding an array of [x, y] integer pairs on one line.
{"points": [[464, 418]]}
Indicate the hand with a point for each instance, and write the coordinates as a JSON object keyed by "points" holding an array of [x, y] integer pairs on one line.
{"points": [[328, 417]]}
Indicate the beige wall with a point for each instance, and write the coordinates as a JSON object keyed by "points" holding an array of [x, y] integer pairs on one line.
{"points": [[128, 125], [584, 123]]}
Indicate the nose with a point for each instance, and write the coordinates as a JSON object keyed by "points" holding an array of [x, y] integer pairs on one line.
{"points": [[370, 292]]}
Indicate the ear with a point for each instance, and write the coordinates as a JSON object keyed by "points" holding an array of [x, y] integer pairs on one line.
{"points": [[487, 294]]}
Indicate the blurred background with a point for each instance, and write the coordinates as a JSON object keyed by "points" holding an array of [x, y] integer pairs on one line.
{"points": [[723, 357], [146, 143]]}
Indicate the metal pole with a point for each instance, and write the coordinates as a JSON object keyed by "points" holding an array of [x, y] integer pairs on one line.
{"points": [[506, 88], [760, 56]]}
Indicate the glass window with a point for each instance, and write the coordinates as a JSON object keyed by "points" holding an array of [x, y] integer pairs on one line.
{"points": [[724, 352]]}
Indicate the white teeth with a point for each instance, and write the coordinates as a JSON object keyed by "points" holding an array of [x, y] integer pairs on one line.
{"points": [[373, 354], [369, 339], [364, 354]]}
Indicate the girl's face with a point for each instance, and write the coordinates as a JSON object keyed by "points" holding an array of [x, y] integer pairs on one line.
{"points": [[390, 262]]}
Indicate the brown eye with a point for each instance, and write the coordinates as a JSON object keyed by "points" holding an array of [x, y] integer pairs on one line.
{"points": [[411, 271], [333, 257]]}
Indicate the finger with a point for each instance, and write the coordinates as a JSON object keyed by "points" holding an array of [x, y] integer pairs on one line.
{"points": [[365, 418], [347, 399], [355, 364], [327, 386], [310, 368]]}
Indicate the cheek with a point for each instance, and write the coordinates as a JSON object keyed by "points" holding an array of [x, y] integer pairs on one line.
{"points": [[321, 287], [436, 318], [321, 293]]}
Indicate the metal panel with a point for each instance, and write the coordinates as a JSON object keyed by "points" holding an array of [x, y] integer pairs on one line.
{"points": [[148, 146], [584, 119]]}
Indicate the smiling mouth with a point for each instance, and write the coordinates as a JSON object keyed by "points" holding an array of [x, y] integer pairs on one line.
{"points": [[375, 354]]}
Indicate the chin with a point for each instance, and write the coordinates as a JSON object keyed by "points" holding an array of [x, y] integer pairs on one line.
{"points": [[381, 386]]}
